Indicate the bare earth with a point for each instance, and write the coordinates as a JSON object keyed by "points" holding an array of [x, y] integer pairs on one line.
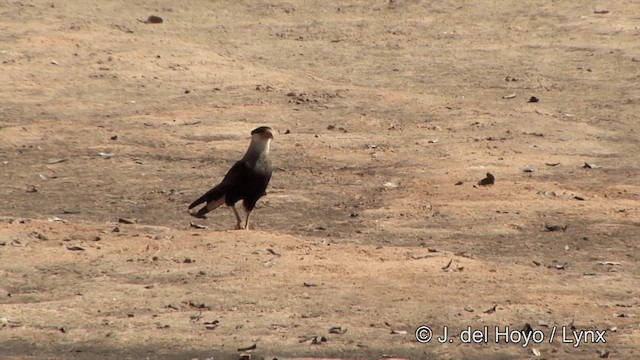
{"points": [[381, 109]]}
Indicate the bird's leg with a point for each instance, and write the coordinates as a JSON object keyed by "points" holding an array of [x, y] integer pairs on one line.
{"points": [[246, 222], [235, 211]]}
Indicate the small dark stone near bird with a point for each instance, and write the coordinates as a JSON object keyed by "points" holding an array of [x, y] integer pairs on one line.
{"points": [[187, 91], [125, 221], [491, 310], [115, 229], [563, 266], [527, 329], [75, 248], [211, 325], [188, 261], [318, 340], [287, 132], [153, 19], [489, 180], [533, 99], [459, 183], [555, 227], [114, 137]]}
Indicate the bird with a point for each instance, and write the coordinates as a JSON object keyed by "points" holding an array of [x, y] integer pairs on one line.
{"points": [[247, 180]]}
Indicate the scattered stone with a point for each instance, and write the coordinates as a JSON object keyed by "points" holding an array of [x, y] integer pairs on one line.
{"points": [[56, 161], [468, 308], [212, 325], [196, 226], [398, 332], [446, 267], [38, 235], [604, 354], [510, 96], [491, 310], [125, 221], [198, 305], [528, 169], [590, 166], [105, 155], [533, 99], [459, 183], [535, 351], [552, 164], [273, 252], [114, 137], [250, 347], [152, 19], [555, 227], [489, 180], [543, 323], [390, 185], [601, 11], [310, 284], [337, 330], [31, 189], [562, 266], [75, 248], [610, 263]]}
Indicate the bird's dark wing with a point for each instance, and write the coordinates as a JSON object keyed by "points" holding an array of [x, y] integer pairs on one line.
{"points": [[219, 194]]}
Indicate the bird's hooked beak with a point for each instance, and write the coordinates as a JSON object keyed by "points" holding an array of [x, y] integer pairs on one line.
{"points": [[267, 134]]}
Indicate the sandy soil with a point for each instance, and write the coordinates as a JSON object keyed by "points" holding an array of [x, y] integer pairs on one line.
{"points": [[387, 113]]}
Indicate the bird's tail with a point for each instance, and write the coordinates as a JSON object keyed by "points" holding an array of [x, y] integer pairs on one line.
{"points": [[214, 198]]}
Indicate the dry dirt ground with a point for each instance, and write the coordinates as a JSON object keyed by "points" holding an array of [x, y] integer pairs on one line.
{"points": [[381, 109]]}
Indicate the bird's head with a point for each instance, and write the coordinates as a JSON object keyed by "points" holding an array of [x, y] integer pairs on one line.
{"points": [[260, 139], [264, 133]]}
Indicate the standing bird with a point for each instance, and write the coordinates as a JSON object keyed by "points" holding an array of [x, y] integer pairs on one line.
{"points": [[247, 180]]}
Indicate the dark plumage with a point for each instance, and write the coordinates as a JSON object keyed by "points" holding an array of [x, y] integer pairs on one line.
{"points": [[247, 180]]}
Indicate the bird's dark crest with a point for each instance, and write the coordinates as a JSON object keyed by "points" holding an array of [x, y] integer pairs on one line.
{"points": [[261, 129]]}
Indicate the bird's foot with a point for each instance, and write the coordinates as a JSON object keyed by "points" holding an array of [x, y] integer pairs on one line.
{"points": [[239, 226]]}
